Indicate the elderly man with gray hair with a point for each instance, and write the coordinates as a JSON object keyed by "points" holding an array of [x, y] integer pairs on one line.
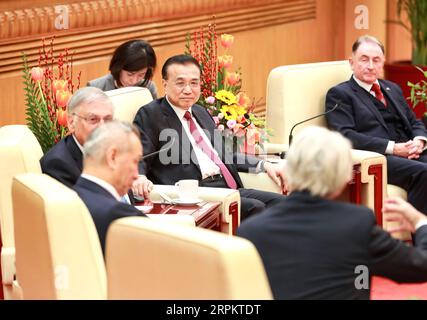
{"points": [[87, 109], [111, 156], [314, 247]]}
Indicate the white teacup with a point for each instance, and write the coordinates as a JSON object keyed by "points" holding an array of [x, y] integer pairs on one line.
{"points": [[187, 189]]}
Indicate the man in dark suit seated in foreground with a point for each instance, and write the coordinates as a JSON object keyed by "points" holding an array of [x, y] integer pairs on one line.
{"points": [[314, 247], [177, 123], [110, 166], [87, 109], [376, 117]]}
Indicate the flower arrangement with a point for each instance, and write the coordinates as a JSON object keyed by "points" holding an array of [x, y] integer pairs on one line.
{"points": [[221, 93], [48, 87]]}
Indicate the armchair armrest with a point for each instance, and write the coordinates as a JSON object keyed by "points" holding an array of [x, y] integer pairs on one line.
{"points": [[8, 265], [230, 207], [259, 181], [373, 179]]}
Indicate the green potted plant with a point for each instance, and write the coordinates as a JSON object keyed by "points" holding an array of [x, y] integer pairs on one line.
{"points": [[403, 71], [416, 11]]}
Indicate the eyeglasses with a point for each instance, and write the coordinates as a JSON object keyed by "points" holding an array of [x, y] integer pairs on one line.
{"points": [[194, 84], [94, 119]]}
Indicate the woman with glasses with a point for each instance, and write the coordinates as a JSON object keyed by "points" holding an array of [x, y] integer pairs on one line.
{"points": [[132, 64]]}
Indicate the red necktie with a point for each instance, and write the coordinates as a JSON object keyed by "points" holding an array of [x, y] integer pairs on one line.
{"points": [[378, 93], [201, 143]]}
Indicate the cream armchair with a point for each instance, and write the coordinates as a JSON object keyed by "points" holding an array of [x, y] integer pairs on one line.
{"points": [[148, 260], [19, 153], [127, 101], [58, 254], [297, 92]]}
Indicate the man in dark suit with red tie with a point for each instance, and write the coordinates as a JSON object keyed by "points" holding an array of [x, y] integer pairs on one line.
{"points": [[375, 116], [193, 148]]}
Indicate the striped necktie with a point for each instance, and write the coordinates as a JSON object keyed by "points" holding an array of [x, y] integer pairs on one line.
{"points": [[201, 143]]}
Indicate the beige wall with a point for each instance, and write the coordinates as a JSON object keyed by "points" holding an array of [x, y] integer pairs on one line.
{"points": [[259, 45]]}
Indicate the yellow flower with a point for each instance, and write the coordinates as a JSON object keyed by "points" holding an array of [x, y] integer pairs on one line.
{"points": [[226, 97], [229, 112], [239, 109]]}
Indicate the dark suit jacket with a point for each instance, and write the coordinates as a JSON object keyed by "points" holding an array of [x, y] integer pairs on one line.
{"points": [[158, 122], [64, 161], [359, 119], [103, 207], [311, 246]]}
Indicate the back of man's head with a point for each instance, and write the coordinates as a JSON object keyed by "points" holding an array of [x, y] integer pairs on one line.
{"points": [[319, 161], [112, 153], [114, 134]]}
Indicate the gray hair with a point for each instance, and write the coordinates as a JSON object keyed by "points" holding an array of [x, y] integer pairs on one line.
{"points": [[113, 133], [86, 95], [319, 161], [367, 38]]}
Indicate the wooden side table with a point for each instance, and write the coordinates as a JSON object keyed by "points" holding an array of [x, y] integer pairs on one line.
{"points": [[206, 214]]}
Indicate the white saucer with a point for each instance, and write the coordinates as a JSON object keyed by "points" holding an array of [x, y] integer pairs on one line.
{"points": [[186, 202], [145, 209]]}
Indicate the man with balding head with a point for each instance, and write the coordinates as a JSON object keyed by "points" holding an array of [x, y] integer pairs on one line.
{"points": [[110, 167]]}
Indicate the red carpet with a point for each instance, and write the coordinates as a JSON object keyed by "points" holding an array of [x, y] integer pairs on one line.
{"points": [[385, 289]]}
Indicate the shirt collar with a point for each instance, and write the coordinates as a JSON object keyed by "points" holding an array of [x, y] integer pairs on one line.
{"points": [[104, 184], [78, 143], [179, 111], [365, 85]]}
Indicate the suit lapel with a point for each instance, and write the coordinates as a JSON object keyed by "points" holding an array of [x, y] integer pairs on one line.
{"points": [[390, 95], [175, 124], [204, 120], [366, 101], [75, 151], [207, 123]]}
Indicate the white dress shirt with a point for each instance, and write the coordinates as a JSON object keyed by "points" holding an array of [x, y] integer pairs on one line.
{"points": [[104, 184], [207, 166]]}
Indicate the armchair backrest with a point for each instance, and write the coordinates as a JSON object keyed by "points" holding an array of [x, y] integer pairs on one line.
{"points": [[58, 253], [151, 260], [297, 92], [20, 152], [128, 100]]}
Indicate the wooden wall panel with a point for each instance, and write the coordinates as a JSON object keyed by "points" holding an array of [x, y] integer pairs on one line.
{"points": [[267, 35], [399, 46]]}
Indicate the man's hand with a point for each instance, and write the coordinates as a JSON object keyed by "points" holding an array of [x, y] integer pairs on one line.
{"points": [[142, 187], [416, 149], [276, 171], [397, 209], [402, 149], [410, 149]]}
